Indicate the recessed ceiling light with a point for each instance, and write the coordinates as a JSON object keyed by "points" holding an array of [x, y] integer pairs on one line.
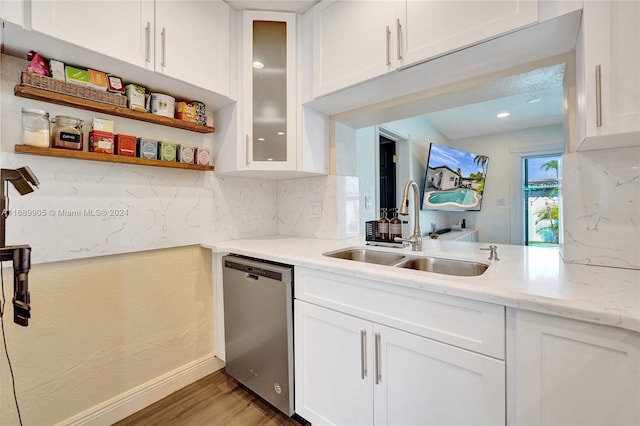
{"points": [[261, 139], [534, 100], [502, 114], [280, 133], [269, 159], [257, 65]]}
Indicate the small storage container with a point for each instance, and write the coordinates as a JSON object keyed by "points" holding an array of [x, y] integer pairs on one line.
{"points": [[67, 133], [135, 97], [167, 151], [186, 154], [186, 111], [35, 127], [125, 145], [202, 156], [147, 148], [101, 142], [162, 105]]}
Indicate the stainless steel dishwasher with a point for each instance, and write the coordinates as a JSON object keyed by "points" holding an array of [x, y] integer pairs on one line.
{"points": [[258, 326]]}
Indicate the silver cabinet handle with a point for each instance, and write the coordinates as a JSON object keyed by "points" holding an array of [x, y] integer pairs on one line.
{"points": [[388, 46], [246, 149], [163, 39], [147, 42], [399, 34], [378, 360], [598, 97], [363, 353]]}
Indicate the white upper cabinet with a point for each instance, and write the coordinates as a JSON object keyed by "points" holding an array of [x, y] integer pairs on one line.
{"points": [[269, 90], [268, 133], [355, 41], [185, 40], [121, 30], [608, 75], [427, 29], [351, 43], [192, 42]]}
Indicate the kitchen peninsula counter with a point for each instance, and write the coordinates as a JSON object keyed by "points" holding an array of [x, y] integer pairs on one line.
{"points": [[529, 278]]}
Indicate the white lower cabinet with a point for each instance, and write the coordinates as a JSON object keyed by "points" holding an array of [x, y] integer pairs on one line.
{"points": [[350, 371], [424, 382], [568, 372], [333, 375]]}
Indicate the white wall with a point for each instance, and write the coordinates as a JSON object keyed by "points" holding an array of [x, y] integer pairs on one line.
{"points": [[366, 146], [493, 221], [102, 327]]}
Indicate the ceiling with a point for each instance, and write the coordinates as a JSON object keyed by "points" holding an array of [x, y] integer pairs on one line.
{"points": [[534, 99], [297, 6]]}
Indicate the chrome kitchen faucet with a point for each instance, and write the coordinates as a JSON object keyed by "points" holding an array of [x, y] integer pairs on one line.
{"points": [[416, 238]]}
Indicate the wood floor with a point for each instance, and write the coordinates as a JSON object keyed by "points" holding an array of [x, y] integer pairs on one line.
{"points": [[217, 399]]}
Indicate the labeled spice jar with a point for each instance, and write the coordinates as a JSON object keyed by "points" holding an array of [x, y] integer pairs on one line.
{"points": [[67, 133], [35, 127]]}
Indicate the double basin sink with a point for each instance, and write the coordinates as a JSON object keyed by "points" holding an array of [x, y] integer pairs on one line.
{"points": [[437, 265]]}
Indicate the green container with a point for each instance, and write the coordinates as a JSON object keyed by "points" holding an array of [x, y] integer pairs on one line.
{"points": [[167, 151], [77, 75]]}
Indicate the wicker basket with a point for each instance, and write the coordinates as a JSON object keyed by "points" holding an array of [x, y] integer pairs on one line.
{"points": [[72, 89]]}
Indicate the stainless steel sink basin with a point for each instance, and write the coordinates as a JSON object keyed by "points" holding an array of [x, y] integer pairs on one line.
{"points": [[459, 268], [366, 255]]}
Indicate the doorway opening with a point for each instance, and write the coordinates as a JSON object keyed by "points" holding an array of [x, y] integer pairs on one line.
{"points": [[387, 163], [392, 166], [541, 206]]}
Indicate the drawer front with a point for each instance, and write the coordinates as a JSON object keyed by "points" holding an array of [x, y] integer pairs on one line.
{"points": [[468, 324]]}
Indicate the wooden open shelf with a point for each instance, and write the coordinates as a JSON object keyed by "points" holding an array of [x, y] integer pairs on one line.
{"points": [[72, 101], [94, 156]]}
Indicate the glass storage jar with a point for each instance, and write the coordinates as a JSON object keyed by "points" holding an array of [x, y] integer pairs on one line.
{"points": [[67, 133], [35, 127]]}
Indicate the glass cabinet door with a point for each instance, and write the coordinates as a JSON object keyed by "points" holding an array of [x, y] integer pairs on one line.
{"points": [[269, 69]]}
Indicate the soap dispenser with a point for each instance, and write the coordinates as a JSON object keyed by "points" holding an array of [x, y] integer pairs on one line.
{"points": [[383, 225], [395, 226]]}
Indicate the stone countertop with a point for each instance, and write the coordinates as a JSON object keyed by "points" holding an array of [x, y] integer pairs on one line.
{"points": [[531, 278]]}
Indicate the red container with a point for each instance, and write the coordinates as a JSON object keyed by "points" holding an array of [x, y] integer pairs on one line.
{"points": [[101, 142], [126, 145]]}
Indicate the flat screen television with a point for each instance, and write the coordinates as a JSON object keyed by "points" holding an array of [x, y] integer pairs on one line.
{"points": [[454, 179]]}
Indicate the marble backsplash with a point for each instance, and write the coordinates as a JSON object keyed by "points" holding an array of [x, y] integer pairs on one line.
{"points": [[319, 207], [85, 209], [601, 207]]}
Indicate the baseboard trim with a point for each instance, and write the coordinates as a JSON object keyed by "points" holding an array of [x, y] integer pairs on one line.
{"points": [[129, 402]]}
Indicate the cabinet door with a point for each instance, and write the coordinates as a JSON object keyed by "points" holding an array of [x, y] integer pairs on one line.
{"points": [[333, 359], [192, 42], [434, 28], [567, 372], [608, 66], [269, 92], [352, 42], [121, 30], [424, 382]]}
